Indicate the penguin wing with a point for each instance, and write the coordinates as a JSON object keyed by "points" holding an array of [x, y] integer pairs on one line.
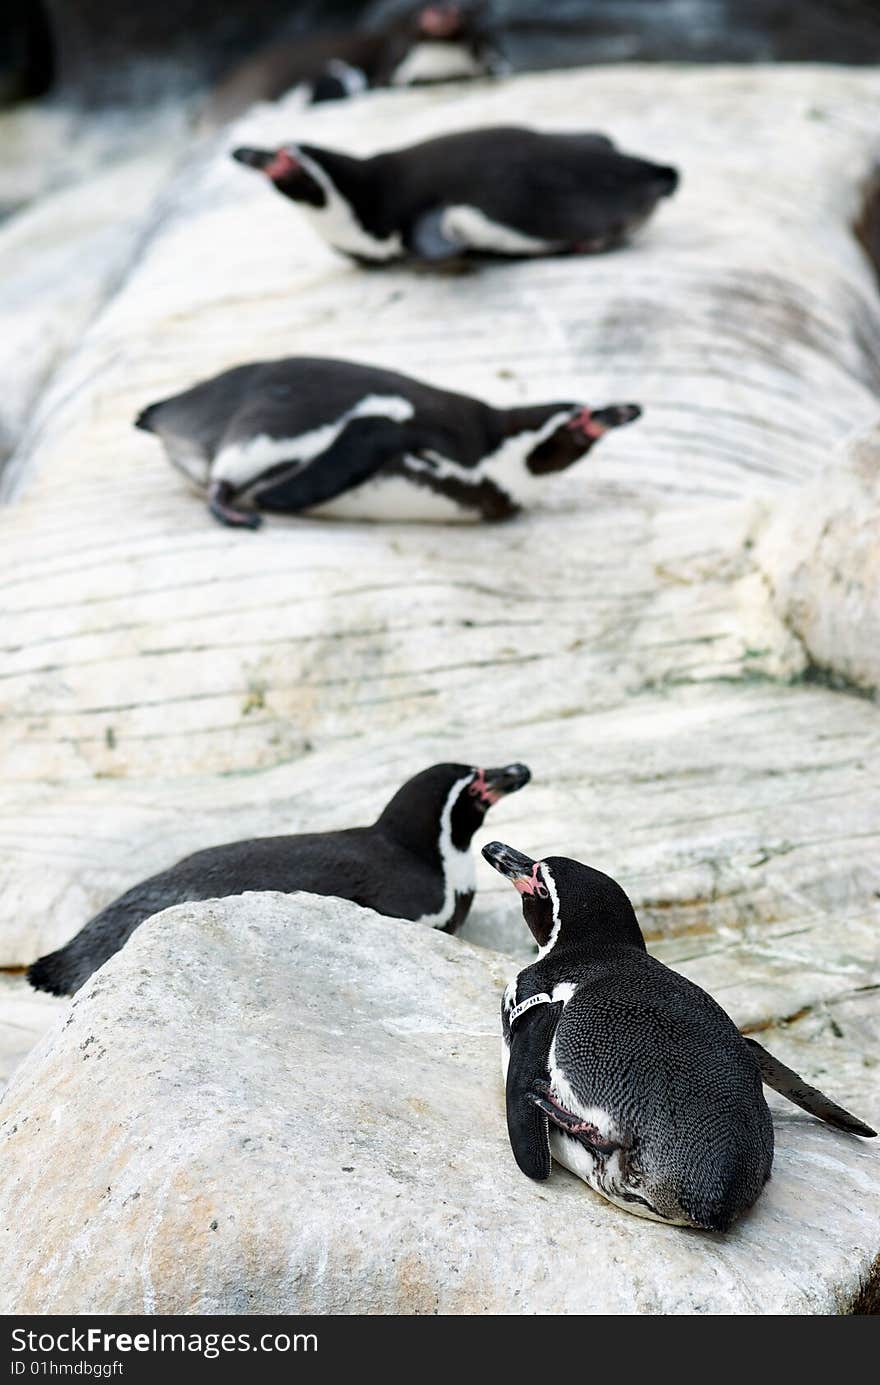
{"points": [[527, 1125], [361, 449], [790, 1085]]}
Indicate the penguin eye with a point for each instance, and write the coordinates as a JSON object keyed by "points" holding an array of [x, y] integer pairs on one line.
{"points": [[541, 890]]}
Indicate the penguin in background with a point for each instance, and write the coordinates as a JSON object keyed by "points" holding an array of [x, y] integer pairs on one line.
{"points": [[427, 44], [414, 862], [626, 1072], [352, 441], [503, 191]]}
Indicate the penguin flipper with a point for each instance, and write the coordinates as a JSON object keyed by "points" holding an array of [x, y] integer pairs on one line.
{"points": [[584, 1131], [363, 446], [789, 1084], [429, 238], [219, 503], [527, 1125]]}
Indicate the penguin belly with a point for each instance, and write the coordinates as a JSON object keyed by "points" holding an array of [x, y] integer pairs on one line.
{"points": [[606, 1175], [436, 62], [394, 498]]}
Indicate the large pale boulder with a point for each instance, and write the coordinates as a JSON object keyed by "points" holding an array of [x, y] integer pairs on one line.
{"points": [[821, 555], [293, 1105]]}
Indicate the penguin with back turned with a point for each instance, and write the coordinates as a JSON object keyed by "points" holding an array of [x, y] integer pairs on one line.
{"points": [[502, 191], [353, 441], [629, 1074], [414, 862]]}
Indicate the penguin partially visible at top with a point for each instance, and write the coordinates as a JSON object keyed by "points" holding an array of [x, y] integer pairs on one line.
{"points": [[414, 862], [359, 442], [500, 191], [626, 1072], [426, 44]]}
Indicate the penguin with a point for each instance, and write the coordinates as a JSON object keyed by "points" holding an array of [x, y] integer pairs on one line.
{"points": [[352, 441], [431, 43], [501, 191], [626, 1072], [414, 862]]}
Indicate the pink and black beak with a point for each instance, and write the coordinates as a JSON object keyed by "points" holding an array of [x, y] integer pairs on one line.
{"points": [[275, 163], [515, 866], [591, 424], [489, 785]]}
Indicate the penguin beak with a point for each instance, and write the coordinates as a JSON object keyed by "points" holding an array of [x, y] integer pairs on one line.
{"points": [[277, 163], [518, 868], [507, 779], [593, 423]]}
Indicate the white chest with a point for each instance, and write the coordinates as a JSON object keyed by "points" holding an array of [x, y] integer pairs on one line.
{"points": [[395, 499], [337, 223], [436, 62]]}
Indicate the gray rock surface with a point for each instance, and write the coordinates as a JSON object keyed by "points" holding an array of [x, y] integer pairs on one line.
{"points": [[293, 1105]]}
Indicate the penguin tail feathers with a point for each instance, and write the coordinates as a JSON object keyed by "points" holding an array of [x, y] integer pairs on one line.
{"points": [[143, 418], [667, 180], [49, 973]]}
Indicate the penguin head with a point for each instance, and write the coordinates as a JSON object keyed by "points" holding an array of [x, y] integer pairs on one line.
{"points": [[450, 797], [564, 901], [441, 22], [287, 170], [448, 23], [577, 434]]}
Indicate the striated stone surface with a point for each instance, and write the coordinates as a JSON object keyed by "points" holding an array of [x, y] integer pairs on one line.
{"points": [[64, 255], [339, 1145]]}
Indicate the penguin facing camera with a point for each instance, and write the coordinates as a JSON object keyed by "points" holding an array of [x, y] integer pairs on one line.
{"points": [[414, 862], [503, 191], [428, 44], [352, 441], [626, 1072]]}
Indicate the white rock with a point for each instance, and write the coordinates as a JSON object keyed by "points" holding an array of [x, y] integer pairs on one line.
{"points": [[821, 554], [66, 253], [271, 1105]]}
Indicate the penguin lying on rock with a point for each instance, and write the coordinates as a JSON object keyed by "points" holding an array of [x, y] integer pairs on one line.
{"points": [[414, 862], [358, 442], [628, 1073], [431, 43], [502, 191]]}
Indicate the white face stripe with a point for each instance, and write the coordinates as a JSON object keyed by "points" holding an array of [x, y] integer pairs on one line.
{"points": [[471, 228], [554, 901], [242, 463], [436, 61], [459, 871], [337, 223], [506, 466]]}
